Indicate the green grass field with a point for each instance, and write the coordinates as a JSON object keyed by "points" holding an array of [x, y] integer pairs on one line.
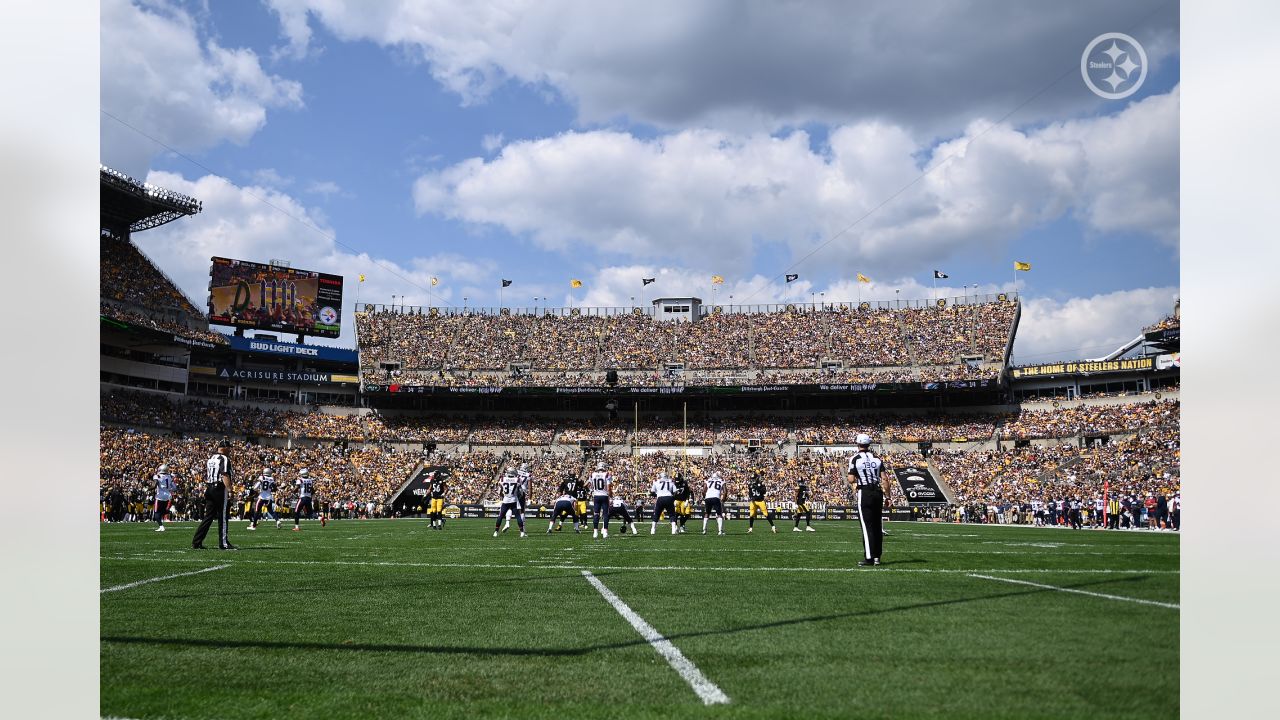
{"points": [[391, 619]]}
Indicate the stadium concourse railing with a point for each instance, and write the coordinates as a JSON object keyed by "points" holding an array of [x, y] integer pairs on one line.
{"points": [[706, 309]]}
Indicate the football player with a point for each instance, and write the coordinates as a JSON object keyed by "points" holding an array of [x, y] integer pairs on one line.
{"points": [[265, 487], [663, 491], [712, 502], [509, 489], [802, 508], [164, 494], [601, 484], [564, 505], [756, 493]]}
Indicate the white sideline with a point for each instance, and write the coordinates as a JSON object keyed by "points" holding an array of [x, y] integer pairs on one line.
{"points": [[563, 565], [1171, 606], [706, 690], [126, 586]]}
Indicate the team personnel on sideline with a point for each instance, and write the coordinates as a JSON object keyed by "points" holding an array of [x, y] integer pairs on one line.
{"points": [[663, 491], [713, 502], [683, 507], [564, 505], [436, 510], [601, 484], [217, 492], [306, 487], [164, 494], [618, 509], [870, 478], [509, 488], [756, 493], [265, 486], [802, 507]]}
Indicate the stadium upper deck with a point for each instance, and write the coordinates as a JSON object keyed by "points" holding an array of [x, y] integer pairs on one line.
{"points": [[946, 340]]}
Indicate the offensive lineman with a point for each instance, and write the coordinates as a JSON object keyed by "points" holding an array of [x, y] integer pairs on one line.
{"points": [[802, 507], [164, 494], [564, 505], [619, 509], [712, 502], [756, 493], [265, 486], [509, 488], [871, 479], [663, 491], [601, 483]]}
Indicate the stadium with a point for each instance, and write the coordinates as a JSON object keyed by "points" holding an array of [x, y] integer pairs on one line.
{"points": [[1032, 510]]}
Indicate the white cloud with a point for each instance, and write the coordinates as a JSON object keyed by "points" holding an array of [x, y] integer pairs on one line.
{"points": [[238, 222], [491, 142], [269, 177], [703, 196], [1085, 327], [162, 77], [926, 64], [323, 187]]}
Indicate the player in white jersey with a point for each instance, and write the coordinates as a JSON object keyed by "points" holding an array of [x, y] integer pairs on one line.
{"points": [[618, 509], [164, 494], [525, 477], [264, 503], [713, 502], [509, 489], [664, 493], [601, 484], [306, 486]]}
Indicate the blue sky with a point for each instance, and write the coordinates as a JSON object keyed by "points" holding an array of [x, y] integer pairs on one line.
{"points": [[547, 141]]}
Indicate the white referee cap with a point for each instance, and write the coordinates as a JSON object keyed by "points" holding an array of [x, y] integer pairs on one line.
{"points": [[863, 439]]}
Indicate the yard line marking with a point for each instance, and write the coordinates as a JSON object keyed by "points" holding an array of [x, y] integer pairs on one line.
{"points": [[707, 690], [582, 566], [126, 586], [1171, 606]]}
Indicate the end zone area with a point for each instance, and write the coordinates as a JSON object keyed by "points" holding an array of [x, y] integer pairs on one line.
{"points": [[390, 618]]}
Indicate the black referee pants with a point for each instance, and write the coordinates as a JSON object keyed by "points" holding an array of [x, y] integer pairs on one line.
{"points": [[215, 508], [870, 505]]}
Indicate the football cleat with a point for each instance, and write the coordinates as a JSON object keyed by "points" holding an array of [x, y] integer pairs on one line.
{"points": [[595, 533], [252, 527], [866, 563], [160, 529], [774, 528], [523, 535], [604, 533], [795, 529], [296, 528], [809, 528], [749, 530], [277, 524], [495, 533]]}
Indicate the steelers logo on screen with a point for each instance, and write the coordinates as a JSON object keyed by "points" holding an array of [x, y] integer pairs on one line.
{"points": [[328, 315]]}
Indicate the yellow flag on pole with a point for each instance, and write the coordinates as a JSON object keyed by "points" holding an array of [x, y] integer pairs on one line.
{"points": [[361, 277], [575, 283], [717, 280], [435, 281], [863, 278], [1021, 265]]}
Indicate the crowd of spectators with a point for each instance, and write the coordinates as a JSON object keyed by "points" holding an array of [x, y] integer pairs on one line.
{"points": [[479, 349], [1089, 419], [131, 317], [1168, 323], [127, 276], [841, 430]]}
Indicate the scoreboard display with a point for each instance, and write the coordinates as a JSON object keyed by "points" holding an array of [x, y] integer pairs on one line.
{"points": [[254, 295]]}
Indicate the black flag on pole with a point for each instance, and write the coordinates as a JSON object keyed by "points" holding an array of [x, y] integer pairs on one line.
{"points": [[792, 276], [506, 283], [646, 281], [939, 275]]}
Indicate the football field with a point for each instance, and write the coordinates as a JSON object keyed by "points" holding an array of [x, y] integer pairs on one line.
{"points": [[388, 618]]}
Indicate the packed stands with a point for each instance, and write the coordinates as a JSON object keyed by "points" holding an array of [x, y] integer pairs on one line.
{"points": [[446, 348], [127, 276], [1068, 421]]}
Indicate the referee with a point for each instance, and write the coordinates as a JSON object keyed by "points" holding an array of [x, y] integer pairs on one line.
{"points": [[867, 474], [217, 492]]}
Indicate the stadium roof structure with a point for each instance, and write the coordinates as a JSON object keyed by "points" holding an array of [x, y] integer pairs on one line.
{"points": [[130, 206]]}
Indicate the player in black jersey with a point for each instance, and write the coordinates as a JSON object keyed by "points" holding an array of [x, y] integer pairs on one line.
{"points": [[802, 508], [436, 487], [580, 494], [756, 493], [564, 505], [684, 509]]}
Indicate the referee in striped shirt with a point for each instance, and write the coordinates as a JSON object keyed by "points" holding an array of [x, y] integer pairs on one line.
{"points": [[870, 478], [217, 494]]}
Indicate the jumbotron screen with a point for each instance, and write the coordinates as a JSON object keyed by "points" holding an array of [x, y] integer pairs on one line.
{"points": [[268, 297]]}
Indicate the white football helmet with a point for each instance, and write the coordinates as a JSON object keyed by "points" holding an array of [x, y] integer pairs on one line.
{"points": [[863, 439]]}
